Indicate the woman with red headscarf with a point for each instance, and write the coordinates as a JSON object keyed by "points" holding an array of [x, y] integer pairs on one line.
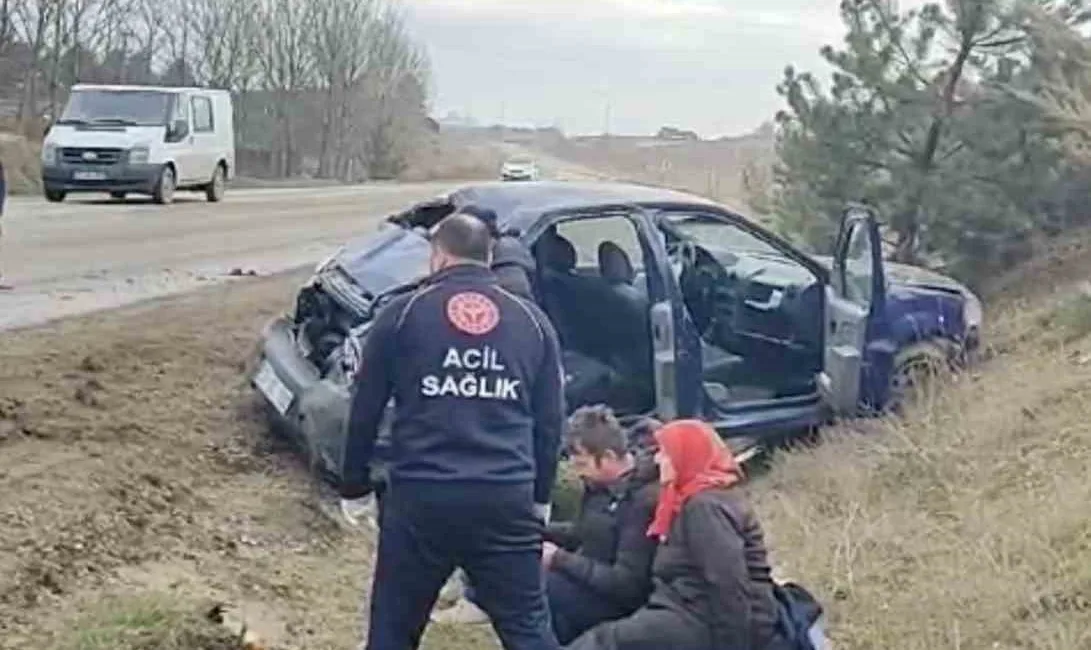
{"points": [[712, 584]]}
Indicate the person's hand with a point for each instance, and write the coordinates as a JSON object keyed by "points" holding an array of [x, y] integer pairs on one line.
{"points": [[549, 551], [359, 512], [543, 511]]}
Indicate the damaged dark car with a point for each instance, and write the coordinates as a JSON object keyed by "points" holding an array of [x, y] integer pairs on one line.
{"points": [[666, 304]]}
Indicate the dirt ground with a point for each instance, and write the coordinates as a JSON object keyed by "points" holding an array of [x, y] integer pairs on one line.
{"points": [[134, 463]]}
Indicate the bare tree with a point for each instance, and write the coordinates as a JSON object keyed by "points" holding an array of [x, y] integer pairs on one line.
{"points": [[286, 64], [334, 85]]}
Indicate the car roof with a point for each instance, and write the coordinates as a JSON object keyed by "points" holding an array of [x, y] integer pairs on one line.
{"points": [[519, 205]]}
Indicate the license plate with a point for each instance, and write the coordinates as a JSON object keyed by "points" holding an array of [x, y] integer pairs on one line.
{"points": [[273, 388], [89, 176]]}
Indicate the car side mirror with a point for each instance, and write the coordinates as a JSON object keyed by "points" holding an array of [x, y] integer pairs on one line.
{"points": [[177, 131]]}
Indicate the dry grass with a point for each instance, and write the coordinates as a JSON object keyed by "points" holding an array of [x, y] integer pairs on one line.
{"points": [[710, 168], [22, 163], [151, 622], [452, 158], [968, 523]]}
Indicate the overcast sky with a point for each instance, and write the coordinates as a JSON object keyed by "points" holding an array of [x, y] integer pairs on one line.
{"points": [[707, 65]]}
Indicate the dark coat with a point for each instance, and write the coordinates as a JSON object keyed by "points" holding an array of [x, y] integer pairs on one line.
{"points": [[476, 378], [712, 586], [514, 267], [612, 558]]}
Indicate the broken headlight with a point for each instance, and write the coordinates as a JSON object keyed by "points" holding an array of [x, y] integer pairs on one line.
{"points": [[352, 350]]}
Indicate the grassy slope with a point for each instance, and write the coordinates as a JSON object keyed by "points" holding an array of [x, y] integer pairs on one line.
{"points": [[968, 524]]}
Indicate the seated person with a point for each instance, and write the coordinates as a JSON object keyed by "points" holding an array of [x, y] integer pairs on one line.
{"points": [[712, 586], [598, 568]]}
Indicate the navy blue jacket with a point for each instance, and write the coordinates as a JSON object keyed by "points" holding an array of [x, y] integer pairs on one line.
{"points": [[476, 378]]}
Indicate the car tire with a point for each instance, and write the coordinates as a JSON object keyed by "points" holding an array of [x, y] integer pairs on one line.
{"points": [[55, 196], [118, 196], [214, 191], [914, 370], [165, 186]]}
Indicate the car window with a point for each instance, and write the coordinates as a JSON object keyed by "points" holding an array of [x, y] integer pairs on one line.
{"points": [[202, 115], [587, 234], [859, 265]]}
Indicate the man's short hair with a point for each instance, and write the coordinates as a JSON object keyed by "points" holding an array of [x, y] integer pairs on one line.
{"points": [[463, 236], [596, 430]]}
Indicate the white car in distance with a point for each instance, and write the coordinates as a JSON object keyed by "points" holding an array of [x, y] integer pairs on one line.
{"points": [[520, 168]]}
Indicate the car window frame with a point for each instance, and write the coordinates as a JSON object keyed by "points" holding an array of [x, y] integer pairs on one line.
{"points": [[859, 231]]}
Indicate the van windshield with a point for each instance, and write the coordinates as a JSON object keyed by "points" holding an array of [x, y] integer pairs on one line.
{"points": [[127, 107]]}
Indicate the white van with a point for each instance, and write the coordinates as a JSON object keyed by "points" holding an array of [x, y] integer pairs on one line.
{"points": [[140, 140]]}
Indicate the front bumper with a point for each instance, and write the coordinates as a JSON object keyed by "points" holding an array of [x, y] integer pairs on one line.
{"points": [[312, 409], [517, 176], [118, 177]]}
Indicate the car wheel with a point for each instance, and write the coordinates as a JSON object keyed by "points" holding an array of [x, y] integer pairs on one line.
{"points": [[916, 369], [214, 191], [164, 189], [54, 196], [118, 196]]}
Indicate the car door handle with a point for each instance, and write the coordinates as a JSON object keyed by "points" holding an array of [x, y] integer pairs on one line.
{"points": [[769, 305]]}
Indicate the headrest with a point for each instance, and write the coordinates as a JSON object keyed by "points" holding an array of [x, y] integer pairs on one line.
{"points": [[614, 264], [555, 252]]}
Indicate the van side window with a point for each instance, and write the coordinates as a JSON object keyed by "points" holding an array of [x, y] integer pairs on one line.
{"points": [[202, 115]]}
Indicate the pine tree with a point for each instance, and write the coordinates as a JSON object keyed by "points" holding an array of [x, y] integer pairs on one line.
{"points": [[917, 120]]}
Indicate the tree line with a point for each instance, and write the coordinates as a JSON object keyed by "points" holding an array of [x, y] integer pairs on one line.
{"points": [[964, 122], [339, 86]]}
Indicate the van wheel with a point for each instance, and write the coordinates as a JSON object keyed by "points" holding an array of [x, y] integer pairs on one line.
{"points": [[55, 196], [916, 369], [214, 191], [118, 196], [164, 189]]}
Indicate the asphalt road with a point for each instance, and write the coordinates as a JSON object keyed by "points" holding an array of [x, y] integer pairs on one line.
{"points": [[91, 253], [87, 253]]}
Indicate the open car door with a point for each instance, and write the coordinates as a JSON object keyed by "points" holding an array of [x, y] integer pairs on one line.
{"points": [[853, 297]]}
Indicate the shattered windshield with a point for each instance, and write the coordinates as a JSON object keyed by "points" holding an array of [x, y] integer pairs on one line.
{"points": [[126, 107], [716, 235]]}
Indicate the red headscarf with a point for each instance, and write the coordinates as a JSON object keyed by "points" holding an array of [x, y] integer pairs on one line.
{"points": [[701, 461]]}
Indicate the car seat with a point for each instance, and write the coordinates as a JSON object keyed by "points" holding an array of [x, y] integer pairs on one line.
{"points": [[625, 308]]}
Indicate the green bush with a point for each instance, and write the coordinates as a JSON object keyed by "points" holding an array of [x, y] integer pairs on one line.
{"points": [[567, 492]]}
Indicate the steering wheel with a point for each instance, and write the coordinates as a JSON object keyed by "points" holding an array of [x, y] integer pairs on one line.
{"points": [[707, 288]]}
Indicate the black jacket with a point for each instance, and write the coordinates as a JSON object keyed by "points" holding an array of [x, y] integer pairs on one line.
{"points": [[477, 386], [713, 566], [613, 553], [514, 266]]}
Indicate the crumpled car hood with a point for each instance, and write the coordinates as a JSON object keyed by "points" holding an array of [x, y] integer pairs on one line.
{"points": [[384, 260]]}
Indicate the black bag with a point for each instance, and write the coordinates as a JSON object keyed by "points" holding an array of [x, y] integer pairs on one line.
{"points": [[799, 612]]}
